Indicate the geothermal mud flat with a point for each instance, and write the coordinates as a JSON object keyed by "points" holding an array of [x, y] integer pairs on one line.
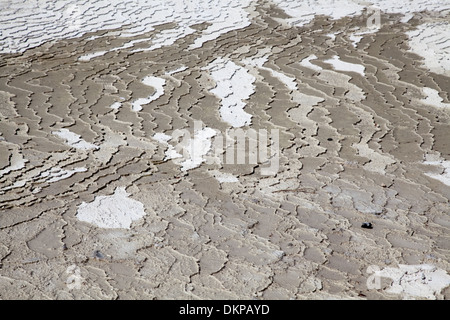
{"points": [[111, 186]]}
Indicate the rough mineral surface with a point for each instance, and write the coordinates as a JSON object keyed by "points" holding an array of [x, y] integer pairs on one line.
{"points": [[111, 186]]}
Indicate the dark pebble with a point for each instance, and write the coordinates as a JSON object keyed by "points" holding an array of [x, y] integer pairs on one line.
{"points": [[366, 225]]}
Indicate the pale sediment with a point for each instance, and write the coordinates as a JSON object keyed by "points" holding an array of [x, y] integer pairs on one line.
{"points": [[94, 177]]}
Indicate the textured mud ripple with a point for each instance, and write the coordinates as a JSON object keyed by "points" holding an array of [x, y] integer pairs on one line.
{"points": [[364, 127]]}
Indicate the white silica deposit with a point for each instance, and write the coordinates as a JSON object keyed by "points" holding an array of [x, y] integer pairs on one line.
{"points": [[74, 140], [17, 162], [416, 281], [116, 211], [56, 174], [164, 139], [439, 162], [224, 177], [303, 12], [431, 41], [197, 148], [433, 98], [234, 85], [27, 24], [157, 84], [88, 57], [306, 63]]}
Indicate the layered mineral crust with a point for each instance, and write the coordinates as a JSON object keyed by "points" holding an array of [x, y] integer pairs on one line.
{"points": [[99, 198]]}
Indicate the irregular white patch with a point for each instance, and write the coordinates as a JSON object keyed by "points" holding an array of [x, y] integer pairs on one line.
{"points": [[50, 175], [164, 139], [56, 19], [197, 148], [416, 281], [116, 105], [224, 177], [356, 37], [16, 184], [444, 176], [155, 82], [116, 211], [17, 162], [306, 63], [287, 81], [433, 98], [180, 69], [56, 173], [303, 12], [332, 35], [129, 44], [409, 7], [340, 65], [193, 149], [432, 42], [378, 161], [89, 56], [233, 85], [74, 140]]}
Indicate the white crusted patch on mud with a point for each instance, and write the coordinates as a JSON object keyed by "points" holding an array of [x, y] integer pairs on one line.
{"points": [[116, 211], [415, 281]]}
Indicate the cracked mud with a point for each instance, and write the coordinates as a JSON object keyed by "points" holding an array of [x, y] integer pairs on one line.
{"points": [[96, 203]]}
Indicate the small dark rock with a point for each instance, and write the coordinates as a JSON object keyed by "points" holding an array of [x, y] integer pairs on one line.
{"points": [[98, 254], [330, 139], [366, 225]]}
